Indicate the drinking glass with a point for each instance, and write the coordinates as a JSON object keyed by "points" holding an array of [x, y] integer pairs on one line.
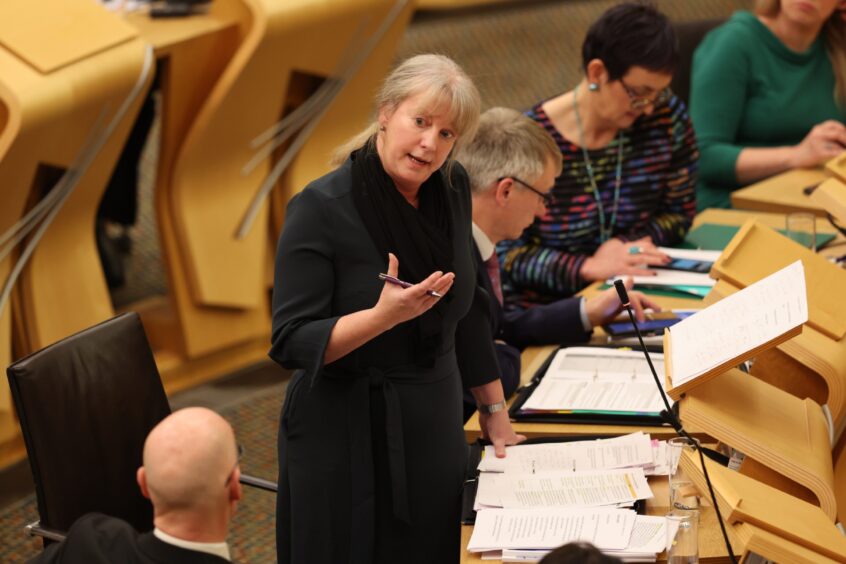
{"points": [[683, 538], [684, 497], [802, 228]]}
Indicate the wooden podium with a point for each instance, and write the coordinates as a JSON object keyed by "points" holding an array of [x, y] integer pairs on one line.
{"points": [[763, 518], [786, 440], [812, 364]]}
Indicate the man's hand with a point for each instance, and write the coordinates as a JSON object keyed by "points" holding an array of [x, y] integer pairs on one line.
{"points": [[606, 306]]}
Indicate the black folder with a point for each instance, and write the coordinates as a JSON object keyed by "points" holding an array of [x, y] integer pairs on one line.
{"points": [[517, 413]]}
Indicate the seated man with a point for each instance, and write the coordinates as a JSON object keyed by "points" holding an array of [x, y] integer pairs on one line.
{"points": [[512, 164], [190, 474]]}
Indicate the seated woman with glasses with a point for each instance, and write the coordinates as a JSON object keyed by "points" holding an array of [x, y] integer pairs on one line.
{"points": [[768, 94], [630, 163]]}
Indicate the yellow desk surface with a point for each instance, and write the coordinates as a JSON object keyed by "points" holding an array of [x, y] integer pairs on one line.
{"points": [[166, 33], [712, 549], [781, 193]]}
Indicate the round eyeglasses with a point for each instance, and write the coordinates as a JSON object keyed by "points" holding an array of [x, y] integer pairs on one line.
{"points": [[639, 101]]}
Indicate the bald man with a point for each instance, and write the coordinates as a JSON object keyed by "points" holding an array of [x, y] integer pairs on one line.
{"points": [[190, 474]]}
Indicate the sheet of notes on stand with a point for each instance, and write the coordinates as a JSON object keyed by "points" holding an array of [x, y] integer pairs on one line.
{"points": [[541, 496]]}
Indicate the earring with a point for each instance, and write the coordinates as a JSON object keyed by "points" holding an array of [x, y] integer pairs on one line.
{"points": [[381, 128], [593, 87]]}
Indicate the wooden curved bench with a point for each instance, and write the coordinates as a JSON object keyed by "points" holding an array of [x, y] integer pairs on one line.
{"points": [[219, 283]]}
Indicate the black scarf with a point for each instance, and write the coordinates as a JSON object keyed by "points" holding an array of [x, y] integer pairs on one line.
{"points": [[421, 238]]}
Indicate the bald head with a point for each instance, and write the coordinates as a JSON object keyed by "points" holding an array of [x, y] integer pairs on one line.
{"points": [[187, 459]]}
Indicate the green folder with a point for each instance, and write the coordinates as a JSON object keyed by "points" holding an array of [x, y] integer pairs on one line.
{"points": [[715, 237]]}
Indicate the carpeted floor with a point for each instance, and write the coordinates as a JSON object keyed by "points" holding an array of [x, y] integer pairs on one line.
{"points": [[518, 53]]}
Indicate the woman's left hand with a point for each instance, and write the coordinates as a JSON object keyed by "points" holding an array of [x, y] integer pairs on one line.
{"points": [[496, 427]]}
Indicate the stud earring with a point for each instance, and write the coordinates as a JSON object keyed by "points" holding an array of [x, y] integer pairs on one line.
{"points": [[381, 128], [593, 87]]}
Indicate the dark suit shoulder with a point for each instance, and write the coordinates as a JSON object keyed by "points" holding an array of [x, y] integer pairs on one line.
{"points": [[94, 538], [332, 185]]}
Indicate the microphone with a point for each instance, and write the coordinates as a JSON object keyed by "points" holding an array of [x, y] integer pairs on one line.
{"points": [[670, 415]]}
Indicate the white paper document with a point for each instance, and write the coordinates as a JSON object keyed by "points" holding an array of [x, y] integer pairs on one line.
{"points": [[635, 449], [562, 489], [498, 529], [692, 254], [664, 277], [598, 379], [739, 323]]}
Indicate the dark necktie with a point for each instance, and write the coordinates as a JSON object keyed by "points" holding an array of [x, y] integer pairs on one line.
{"points": [[492, 265]]}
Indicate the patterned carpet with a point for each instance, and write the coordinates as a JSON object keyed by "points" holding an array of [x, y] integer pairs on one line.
{"points": [[518, 53]]}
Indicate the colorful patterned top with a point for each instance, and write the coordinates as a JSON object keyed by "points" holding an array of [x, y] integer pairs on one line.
{"points": [[657, 198]]}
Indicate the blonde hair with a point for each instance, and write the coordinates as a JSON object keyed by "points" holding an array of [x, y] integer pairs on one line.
{"points": [[835, 40], [507, 143], [441, 82]]}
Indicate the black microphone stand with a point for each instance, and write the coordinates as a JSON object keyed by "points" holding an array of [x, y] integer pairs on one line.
{"points": [[669, 415]]}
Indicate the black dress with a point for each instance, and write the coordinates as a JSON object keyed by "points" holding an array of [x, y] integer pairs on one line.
{"points": [[371, 448]]}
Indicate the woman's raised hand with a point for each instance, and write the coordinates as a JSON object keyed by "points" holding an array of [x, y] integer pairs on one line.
{"points": [[397, 304]]}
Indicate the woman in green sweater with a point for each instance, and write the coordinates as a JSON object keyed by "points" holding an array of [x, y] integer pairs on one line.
{"points": [[768, 94]]}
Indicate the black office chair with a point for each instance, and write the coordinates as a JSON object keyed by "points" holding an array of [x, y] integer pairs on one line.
{"points": [[689, 34], [86, 405]]}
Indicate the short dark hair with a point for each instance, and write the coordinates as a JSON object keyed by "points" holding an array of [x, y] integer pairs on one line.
{"points": [[578, 553], [632, 34]]}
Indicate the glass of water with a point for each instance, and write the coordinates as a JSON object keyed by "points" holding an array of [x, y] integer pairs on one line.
{"points": [[684, 497], [802, 228], [683, 538]]}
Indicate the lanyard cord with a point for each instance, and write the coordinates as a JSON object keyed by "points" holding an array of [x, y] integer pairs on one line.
{"points": [[604, 232]]}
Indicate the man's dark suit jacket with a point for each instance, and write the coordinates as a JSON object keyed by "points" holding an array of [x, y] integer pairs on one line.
{"points": [[550, 324], [98, 539]]}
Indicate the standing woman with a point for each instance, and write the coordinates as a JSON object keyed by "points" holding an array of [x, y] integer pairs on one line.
{"points": [[371, 447], [768, 94], [630, 164]]}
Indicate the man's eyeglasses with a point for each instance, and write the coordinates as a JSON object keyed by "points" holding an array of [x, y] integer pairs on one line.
{"points": [[237, 462], [639, 101], [547, 198]]}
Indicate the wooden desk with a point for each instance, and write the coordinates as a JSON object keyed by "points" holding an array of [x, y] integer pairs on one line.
{"points": [[712, 548], [781, 193]]}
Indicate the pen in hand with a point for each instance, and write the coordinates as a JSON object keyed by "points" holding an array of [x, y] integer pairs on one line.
{"points": [[403, 284]]}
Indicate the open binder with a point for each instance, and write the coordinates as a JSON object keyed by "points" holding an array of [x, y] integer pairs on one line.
{"points": [[520, 411]]}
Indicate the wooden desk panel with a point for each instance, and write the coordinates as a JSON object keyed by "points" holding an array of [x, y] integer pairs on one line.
{"points": [[781, 193]]}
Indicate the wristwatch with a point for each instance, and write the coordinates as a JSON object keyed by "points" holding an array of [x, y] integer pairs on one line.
{"points": [[493, 408]]}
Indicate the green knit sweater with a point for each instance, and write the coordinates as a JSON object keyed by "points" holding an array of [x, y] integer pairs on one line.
{"points": [[749, 90]]}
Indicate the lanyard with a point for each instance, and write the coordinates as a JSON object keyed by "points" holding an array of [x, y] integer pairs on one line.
{"points": [[604, 232]]}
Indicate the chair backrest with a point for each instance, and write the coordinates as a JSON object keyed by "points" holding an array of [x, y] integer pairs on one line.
{"points": [[689, 34], [86, 405]]}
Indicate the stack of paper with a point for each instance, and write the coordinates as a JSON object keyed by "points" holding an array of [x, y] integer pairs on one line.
{"points": [[541, 496], [527, 535]]}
